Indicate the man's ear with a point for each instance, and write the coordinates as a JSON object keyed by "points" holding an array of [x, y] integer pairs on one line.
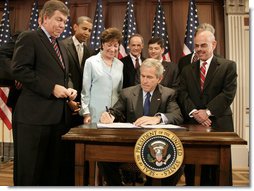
{"points": [[159, 79]]}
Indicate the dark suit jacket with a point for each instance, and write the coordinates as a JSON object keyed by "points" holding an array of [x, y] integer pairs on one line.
{"points": [[76, 70], [130, 104], [219, 91], [184, 61], [170, 75], [129, 72], [37, 66], [6, 52]]}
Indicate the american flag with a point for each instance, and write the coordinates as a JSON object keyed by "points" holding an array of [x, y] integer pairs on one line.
{"points": [[5, 111], [98, 27], [160, 30], [34, 17], [67, 31], [129, 27], [192, 24], [5, 30]]}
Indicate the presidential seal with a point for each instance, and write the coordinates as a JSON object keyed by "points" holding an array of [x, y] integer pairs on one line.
{"points": [[158, 153]]}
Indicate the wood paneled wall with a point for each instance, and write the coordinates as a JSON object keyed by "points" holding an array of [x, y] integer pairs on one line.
{"points": [[210, 11]]}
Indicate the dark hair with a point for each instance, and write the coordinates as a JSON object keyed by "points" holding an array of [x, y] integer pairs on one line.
{"points": [[157, 40], [111, 34]]}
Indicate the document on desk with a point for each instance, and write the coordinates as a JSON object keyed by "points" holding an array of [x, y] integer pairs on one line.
{"points": [[131, 125]]}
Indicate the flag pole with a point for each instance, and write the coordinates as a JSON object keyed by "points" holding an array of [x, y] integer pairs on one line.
{"points": [[2, 146]]}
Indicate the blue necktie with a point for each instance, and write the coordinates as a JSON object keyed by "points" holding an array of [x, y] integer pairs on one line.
{"points": [[147, 104]]}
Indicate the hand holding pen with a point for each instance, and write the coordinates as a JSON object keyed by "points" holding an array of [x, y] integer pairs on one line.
{"points": [[107, 117]]}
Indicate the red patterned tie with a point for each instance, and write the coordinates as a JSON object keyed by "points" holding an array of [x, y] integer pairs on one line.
{"points": [[195, 57], [202, 75], [54, 43]]}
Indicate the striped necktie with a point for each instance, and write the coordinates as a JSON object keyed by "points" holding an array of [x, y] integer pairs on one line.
{"points": [[56, 48], [202, 75]]}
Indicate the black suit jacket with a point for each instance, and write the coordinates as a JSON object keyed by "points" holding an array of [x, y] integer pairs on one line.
{"points": [[170, 75], [184, 61], [6, 52], [130, 104], [76, 70], [37, 66], [129, 72], [218, 94]]}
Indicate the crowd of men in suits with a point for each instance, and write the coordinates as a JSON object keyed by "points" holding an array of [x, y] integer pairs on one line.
{"points": [[51, 80]]}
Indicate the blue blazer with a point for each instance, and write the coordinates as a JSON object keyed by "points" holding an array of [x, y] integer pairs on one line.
{"points": [[101, 86]]}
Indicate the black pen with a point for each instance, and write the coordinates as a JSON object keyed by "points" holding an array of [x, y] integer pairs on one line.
{"points": [[107, 110]]}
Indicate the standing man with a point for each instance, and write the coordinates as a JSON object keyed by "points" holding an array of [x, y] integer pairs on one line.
{"points": [[42, 114], [193, 57], [132, 62], [143, 104], [78, 53], [170, 73], [207, 89]]}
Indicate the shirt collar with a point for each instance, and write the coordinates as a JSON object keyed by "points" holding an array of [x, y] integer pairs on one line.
{"points": [[75, 41], [46, 32]]}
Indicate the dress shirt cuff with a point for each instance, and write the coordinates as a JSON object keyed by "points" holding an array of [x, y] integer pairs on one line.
{"points": [[164, 119], [208, 112], [190, 114]]}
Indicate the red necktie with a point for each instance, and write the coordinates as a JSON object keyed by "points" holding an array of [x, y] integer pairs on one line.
{"points": [[202, 75], [195, 57], [56, 48]]}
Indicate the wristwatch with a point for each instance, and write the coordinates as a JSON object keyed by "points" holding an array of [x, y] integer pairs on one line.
{"points": [[208, 112]]}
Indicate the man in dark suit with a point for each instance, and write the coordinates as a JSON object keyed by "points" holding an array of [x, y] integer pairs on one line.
{"points": [[170, 74], [42, 114], [132, 62], [78, 53], [207, 89], [131, 107], [6, 53]]}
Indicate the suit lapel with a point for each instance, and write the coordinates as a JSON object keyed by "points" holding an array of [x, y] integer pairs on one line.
{"points": [[155, 101], [196, 74], [74, 55], [49, 46], [137, 101], [211, 71]]}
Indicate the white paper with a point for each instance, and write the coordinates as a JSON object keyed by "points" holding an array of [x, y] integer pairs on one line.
{"points": [[130, 125]]}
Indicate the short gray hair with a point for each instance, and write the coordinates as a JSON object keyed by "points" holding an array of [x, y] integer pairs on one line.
{"points": [[205, 27], [151, 62]]}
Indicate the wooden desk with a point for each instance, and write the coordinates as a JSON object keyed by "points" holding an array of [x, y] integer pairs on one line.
{"points": [[201, 146]]}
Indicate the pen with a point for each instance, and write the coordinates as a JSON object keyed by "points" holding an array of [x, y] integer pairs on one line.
{"points": [[107, 110]]}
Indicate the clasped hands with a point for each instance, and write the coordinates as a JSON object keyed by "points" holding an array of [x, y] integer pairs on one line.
{"points": [[63, 92], [144, 120], [201, 117]]}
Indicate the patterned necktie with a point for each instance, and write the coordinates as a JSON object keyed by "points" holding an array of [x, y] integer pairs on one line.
{"points": [[137, 64], [202, 75], [56, 48], [80, 53], [147, 104], [195, 57]]}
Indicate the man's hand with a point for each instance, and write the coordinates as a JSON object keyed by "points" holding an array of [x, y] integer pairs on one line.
{"points": [[146, 120], [107, 118], [75, 106], [87, 119], [61, 92], [202, 117]]}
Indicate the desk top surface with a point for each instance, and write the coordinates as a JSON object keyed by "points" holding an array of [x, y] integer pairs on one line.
{"points": [[193, 134]]}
